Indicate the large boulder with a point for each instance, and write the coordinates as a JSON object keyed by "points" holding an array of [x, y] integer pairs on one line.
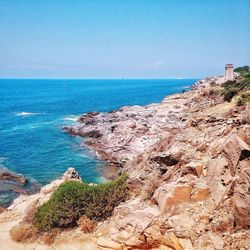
{"points": [[241, 196], [218, 177], [181, 223], [129, 221], [171, 194], [235, 149]]}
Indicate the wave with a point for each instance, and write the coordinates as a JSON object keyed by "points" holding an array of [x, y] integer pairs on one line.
{"points": [[70, 119], [26, 127], [26, 113]]}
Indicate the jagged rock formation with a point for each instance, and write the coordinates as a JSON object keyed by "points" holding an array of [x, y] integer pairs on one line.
{"points": [[188, 160]]}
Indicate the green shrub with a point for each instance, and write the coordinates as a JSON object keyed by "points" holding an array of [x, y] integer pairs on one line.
{"points": [[229, 94], [229, 84], [242, 69], [73, 199], [246, 97], [240, 102]]}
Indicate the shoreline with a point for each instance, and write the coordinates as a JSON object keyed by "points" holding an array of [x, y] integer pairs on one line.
{"points": [[188, 161], [88, 127], [109, 171]]}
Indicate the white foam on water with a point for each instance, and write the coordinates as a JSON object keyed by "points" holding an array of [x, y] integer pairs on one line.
{"points": [[27, 127], [26, 113], [72, 118]]}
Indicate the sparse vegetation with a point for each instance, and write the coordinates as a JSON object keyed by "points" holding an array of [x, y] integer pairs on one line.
{"points": [[24, 232], [229, 94], [241, 86], [74, 199], [242, 70], [49, 237], [240, 102], [86, 225]]}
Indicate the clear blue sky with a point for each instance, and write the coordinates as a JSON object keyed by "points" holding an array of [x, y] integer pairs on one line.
{"points": [[122, 39]]}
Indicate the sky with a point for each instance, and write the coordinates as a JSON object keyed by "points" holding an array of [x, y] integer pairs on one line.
{"points": [[122, 38]]}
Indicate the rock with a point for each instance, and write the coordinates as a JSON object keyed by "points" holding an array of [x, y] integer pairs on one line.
{"points": [[176, 152], [235, 149], [194, 168], [107, 243], [156, 240], [241, 196], [216, 240], [181, 223], [171, 194], [71, 174], [216, 168], [70, 130], [93, 134], [217, 171], [200, 192], [186, 244], [6, 174], [88, 118], [172, 241], [49, 188], [166, 159]]}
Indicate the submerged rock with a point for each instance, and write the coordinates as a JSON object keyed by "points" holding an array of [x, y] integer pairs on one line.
{"points": [[6, 174]]}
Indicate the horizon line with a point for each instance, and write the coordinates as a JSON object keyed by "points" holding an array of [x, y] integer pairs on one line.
{"points": [[120, 78]]}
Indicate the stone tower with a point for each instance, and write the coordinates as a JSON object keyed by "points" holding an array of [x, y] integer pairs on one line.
{"points": [[229, 72]]}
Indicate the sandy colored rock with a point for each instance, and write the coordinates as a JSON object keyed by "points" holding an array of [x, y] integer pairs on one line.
{"points": [[200, 192], [181, 223], [186, 244], [236, 149], [171, 194], [108, 243]]}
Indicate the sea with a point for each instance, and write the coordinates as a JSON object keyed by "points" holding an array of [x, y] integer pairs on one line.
{"points": [[33, 112]]}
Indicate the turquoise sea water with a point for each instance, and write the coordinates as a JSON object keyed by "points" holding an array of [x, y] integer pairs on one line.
{"points": [[33, 112]]}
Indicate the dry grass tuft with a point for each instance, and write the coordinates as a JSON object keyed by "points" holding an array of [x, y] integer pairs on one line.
{"points": [[49, 237], [86, 225], [24, 233]]}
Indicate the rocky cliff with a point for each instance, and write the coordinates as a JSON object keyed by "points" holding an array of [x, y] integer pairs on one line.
{"points": [[188, 160]]}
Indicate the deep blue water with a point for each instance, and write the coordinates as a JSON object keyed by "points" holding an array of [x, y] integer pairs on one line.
{"points": [[32, 113]]}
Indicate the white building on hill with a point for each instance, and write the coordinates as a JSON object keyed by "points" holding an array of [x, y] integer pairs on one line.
{"points": [[229, 72]]}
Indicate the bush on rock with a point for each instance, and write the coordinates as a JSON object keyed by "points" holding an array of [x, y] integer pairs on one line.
{"points": [[74, 199]]}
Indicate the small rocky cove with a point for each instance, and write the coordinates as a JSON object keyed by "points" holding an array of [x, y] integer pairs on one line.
{"points": [[188, 162]]}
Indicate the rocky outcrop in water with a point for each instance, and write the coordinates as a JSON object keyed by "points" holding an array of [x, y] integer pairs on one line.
{"points": [[9, 175]]}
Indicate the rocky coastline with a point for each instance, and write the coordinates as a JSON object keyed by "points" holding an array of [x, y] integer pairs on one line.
{"points": [[188, 161]]}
